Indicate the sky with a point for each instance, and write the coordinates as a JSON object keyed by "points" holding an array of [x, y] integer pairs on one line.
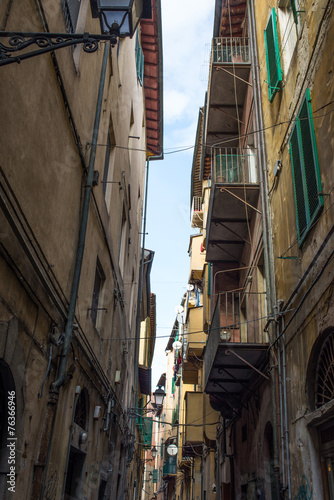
{"points": [[187, 27]]}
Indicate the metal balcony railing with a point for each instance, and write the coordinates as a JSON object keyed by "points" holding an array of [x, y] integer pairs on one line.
{"points": [[238, 318], [233, 50], [197, 212], [234, 165]]}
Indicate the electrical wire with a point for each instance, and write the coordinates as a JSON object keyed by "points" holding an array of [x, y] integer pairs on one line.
{"points": [[209, 330]]}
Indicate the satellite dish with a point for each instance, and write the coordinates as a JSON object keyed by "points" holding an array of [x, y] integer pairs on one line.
{"points": [[172, 450], [190, 288], [179, 309], [177, 345]]}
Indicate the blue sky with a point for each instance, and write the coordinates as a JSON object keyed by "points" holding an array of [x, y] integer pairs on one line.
{"points": [[187, 27]]}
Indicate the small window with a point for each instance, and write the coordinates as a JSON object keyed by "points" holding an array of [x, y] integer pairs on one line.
{"points": [[71, 12], [98, 285], [109, 162], [274, 70], [81, 410], [305, 170], [123, 238], [139, 61], [289, 25]]}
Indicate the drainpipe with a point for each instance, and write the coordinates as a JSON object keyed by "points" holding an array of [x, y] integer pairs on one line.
{"points": [[286, 414], [83, 227], [267, 243], [280, 383], [49, 423]]}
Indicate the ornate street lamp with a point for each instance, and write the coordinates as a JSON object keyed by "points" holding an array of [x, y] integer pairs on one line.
{"points": [[159, 395], [118, 19]]}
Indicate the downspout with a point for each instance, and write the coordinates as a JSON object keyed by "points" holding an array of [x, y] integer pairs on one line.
{"points": [[286, 415], [83, 227], [280, 388], [267, 243], [49, 424]]}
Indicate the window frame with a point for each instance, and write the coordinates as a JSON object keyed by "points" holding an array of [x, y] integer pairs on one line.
{"points": [[302, 175], [273, 86], [71, 15], [99, 280]]}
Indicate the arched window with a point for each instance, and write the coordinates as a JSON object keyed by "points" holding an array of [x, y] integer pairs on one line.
{"points": [[324, 380], [81, 410]]}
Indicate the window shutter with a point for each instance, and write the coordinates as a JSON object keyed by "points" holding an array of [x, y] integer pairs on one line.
{"points": [[155, 476], [294, 11], [139, 61], [305, 170], [310, 159], [274, 70], [71, 12], [298, 181]]}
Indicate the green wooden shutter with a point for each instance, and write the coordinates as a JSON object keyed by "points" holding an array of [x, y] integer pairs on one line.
{"points": [[139, 61], [298, 181], [274, 69], [305, 170], [294, 10], [155, 476]]}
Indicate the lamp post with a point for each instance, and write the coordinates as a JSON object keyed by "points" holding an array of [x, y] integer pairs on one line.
{"points": [[118, 19]]}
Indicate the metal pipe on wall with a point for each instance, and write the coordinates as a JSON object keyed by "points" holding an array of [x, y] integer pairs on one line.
{"points": [[83, 226], [286, 414]]}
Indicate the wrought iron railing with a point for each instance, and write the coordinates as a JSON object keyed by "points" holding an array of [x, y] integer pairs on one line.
{"points": [[234, 165], [238, 318], [234, 50], [197, 212]]}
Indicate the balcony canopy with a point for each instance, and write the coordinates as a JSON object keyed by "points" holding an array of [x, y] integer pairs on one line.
{"points": [[237, 349], [228, 84]]}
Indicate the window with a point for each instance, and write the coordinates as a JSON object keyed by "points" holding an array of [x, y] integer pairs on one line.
{"points": [[305, 170], [289, 25], [98, 284], [123, 245], [139, 60], [71, 12], [109, 161], [272, 57]]}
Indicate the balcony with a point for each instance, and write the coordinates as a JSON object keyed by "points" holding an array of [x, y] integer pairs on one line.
{"points": [[145, 428], [169, 469], [197, 257], [195, 337], [197, 212], [228, 86], [233, 203], [234, 166], [236, 349]]}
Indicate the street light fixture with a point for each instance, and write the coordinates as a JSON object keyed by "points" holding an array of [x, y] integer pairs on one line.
{"points": [[159, 395], [153, 455], [118, 19]]}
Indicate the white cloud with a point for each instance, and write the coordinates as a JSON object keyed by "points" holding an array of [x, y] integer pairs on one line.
{"points": [[187, 30], [175, 103]]}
